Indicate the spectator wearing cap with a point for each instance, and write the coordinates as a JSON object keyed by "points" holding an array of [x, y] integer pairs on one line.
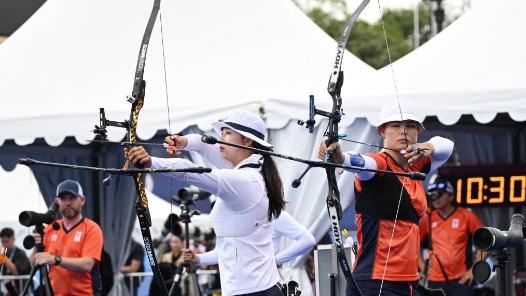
{"points": [[73, 250], [449, 228], [250, 195], [389, 207], [17, 262]]}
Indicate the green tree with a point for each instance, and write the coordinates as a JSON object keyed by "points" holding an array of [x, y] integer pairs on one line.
{"points": [[367, 41]]}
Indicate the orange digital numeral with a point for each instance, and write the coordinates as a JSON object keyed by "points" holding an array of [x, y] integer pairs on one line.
{"points": [[513, 181], [499, 189], [469, 186]]}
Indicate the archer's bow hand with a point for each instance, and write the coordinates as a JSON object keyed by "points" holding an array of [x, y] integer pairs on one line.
{"points": [[138, 155], [175, 144], [334, 151]]}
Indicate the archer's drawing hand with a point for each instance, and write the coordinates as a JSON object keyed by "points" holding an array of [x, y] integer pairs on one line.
{"points": [[418, 152], [138, 155], [190, 256], [337, 155], [175, 144]]}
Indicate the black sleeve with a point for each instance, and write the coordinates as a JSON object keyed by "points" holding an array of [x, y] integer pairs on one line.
{"points": [[21, 262], [137, 253]]}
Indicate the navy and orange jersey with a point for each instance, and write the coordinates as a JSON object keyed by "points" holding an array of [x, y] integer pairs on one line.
{"points": [[451, 242], [83, 239], [383, 254]]}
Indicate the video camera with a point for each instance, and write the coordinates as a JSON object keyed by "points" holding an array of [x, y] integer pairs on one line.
{"points": [[190, 194], [30, 218], [489, 238], [493, 239]]}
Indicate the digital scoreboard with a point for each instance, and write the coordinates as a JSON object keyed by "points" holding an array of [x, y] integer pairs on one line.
{"points": [[488, 185]]}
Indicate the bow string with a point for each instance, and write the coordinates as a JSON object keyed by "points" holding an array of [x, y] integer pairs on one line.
{"points": [[407, 145]]}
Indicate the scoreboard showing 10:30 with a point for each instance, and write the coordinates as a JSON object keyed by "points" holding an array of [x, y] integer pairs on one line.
{"points": [[488, 185]]}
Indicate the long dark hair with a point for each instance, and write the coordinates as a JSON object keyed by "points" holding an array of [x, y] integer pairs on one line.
{"points": [[273, 184]]}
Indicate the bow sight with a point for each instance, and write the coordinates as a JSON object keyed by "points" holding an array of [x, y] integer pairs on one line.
{"points": [[101, 128], [313, 111]]}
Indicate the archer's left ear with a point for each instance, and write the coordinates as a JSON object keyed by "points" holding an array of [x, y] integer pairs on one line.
{"points": [[381, 130], [247, 141]]}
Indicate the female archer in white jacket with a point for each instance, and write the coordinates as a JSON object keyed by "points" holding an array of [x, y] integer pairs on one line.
{"points": [[250, 195]]}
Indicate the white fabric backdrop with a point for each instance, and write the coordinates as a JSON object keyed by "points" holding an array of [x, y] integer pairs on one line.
{"points": [[220, 55]]}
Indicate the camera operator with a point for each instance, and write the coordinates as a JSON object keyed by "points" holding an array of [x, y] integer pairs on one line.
{"points": [[73, 250], [451, 255]]}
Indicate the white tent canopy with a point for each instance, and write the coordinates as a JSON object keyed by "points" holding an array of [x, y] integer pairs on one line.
{"points": [[19, 193], [475, 66], [72, 58]]}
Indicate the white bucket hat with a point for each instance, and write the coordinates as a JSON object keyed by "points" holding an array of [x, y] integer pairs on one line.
{"points": [[247, 124], [399, 110]]}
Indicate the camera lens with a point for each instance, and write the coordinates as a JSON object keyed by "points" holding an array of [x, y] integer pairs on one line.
{"points": [[25, 218], [483, 238]]}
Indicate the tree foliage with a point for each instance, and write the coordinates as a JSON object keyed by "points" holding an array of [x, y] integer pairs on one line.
{"points": [[368, 41]]}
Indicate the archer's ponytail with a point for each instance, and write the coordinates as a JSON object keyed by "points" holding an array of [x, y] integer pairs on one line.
{"points": [[273, 184]]}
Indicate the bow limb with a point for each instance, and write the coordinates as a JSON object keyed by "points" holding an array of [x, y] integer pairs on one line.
{"points": [[137, 101], [333, 197]]}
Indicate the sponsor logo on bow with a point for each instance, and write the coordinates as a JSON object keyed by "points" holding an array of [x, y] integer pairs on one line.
{"points": [[143, 57], [149, 252]]}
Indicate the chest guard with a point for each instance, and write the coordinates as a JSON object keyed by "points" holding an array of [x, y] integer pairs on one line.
{"points": [[230, 223], [379, 198]]}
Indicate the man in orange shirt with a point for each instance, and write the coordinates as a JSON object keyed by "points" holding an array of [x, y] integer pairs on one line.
{"points": [[73, 251], [451, 257]]}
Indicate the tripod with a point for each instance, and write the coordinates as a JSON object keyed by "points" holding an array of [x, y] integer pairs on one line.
{"points": [[45, 285], [482, 270], [185, 216]]}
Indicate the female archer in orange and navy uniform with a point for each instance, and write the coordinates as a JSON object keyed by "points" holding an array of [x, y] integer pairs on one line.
{"points": [[389, 207]]}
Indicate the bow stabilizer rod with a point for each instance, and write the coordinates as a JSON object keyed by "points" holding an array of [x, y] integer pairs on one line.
{"points": [[129, 172], [311, 163], [128, 144]]}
